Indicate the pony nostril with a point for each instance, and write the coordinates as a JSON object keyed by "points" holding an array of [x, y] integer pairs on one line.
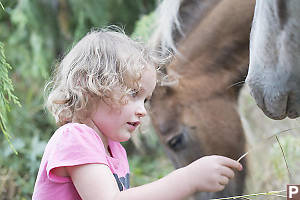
{"points": [[292, 114], [177, 142]]}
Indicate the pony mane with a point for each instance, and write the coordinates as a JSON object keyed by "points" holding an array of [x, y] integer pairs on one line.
{"points": [[175, 19], [166, 23]]}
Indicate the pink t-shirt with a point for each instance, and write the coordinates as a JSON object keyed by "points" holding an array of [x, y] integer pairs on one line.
{"points": [[77, 144]]}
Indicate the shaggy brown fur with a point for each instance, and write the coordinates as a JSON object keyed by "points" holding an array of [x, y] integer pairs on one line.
{"points": [[198, 116]]}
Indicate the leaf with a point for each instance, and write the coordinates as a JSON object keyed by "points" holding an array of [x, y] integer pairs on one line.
{"points": [[6, 94], [2, 6]]}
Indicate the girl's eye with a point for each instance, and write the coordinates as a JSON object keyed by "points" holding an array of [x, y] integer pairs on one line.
{"points": [[134, 93]]}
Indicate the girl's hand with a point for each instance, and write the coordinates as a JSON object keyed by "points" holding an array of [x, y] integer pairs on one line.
{"points": [[211, 173]]}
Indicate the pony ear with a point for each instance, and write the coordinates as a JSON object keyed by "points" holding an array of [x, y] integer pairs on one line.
{"points": [[163, 91], [168, 78], [169, 90]]}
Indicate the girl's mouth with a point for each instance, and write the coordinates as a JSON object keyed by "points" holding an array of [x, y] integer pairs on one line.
{"points": [[134, 124]]}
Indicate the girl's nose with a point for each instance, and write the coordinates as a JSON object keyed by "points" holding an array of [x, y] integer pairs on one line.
{"points": [[141, 111]]}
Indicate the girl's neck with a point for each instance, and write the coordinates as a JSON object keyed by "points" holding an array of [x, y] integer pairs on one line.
{"points": [[92, 125]]}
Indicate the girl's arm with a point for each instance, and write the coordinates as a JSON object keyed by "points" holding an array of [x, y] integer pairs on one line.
{"points": [[211, 173], [96, 182]]}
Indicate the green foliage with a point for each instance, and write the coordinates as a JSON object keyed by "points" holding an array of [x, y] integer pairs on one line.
{"points": [[144, 27], [2, 6], [146, 169], [6, 92]]}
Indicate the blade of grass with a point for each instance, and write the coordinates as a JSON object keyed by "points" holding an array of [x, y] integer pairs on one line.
{"points": [[265, 140], [284, 157], [271, 193]]}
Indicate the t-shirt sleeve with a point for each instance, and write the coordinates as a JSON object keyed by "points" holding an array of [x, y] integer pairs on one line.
{"points": [[74, 146]]}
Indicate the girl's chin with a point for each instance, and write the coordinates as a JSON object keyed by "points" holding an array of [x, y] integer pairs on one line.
{"points": [[123, 138]]}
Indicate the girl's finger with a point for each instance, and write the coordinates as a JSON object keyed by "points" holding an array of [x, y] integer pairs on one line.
{"points": [[231, 163], [225, 171], [223, 180]]}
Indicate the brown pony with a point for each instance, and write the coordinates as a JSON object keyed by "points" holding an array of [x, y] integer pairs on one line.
{"points": [[198, 116]]}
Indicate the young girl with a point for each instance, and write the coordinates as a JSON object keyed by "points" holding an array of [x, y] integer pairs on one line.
{"points": [[98, 96]]}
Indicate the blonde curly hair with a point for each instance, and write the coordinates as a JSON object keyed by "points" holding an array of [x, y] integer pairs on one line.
{"points": [[101, 61]]}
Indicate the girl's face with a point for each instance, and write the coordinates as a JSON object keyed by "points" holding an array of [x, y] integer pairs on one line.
{"points": [[118, 123]]}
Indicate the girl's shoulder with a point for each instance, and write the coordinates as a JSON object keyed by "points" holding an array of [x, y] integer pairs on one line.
{"points": [[75, 133], [75, 127]]}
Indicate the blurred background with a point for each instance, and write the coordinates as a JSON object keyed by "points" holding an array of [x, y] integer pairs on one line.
{"points": [[34, 36]]}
